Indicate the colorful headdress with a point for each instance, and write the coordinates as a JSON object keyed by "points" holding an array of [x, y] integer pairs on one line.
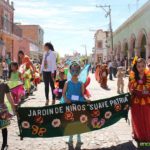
{"points": [[134, 60]]}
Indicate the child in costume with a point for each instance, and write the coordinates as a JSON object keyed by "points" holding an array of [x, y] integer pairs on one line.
{"points": [[27, 78], [59, 84], [139, 86], [15, 83], [120, 82], [36, 76], [74, 92], [97, 71], [5, 116], [103, 76]]}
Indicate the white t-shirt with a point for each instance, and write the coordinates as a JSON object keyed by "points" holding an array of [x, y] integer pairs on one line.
{"points": [[50, 58]]}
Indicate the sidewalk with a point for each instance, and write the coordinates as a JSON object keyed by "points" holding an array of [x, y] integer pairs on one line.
{"points": [[116, 137]]}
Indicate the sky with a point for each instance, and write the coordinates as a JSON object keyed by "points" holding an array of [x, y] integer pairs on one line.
{"points": [[71, 24]]}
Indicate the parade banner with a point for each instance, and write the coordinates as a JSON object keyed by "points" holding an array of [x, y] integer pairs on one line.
{"points": [[70, 119]]}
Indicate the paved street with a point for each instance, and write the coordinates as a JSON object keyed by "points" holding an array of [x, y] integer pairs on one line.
{"points": [[116, 137]]}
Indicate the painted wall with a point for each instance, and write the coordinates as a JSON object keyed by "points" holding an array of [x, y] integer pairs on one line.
{"points": [[134, 28]]}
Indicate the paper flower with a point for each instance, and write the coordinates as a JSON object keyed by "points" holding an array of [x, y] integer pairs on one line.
{"points": [[96, 123], [83, 118], [69, 116], [140, 81], [102, 122], [95, 113], [108, 114], [118, 107], [134, 60], [56, 123], [39, 119], [25, 124]]}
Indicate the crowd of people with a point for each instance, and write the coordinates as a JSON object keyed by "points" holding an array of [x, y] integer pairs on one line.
{"points": [[24, 76], [139, 88]]}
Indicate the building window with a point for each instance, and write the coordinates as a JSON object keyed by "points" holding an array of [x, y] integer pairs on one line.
{"points": [[100, 44]]}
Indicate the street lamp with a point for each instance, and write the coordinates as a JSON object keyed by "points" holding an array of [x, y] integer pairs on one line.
{"points": [[108, 14]]}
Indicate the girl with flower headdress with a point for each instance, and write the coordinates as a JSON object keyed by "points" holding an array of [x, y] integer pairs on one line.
{"points": [[139, 86], [74, 92]]}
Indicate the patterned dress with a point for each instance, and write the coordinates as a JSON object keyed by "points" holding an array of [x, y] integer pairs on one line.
{"points": [[140, 106], [103, 76], [16, 86], [4, 114]]}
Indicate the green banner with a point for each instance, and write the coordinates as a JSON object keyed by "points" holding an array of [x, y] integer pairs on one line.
{"points": [[70, 119]]}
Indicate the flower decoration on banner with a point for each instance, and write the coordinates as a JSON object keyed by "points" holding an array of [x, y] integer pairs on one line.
{"points": [[56, 123], [102, 122], [126, 107], [96, 124], [108, 114], [95, 113], [83, 118], [25, 124], [39, 119], [118, 107], [69, 116]]}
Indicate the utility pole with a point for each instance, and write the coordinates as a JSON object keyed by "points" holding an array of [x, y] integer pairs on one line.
{"points": [[86, 60], [108, 14], [85, 49]]}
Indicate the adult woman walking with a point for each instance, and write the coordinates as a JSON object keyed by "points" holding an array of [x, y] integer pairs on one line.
{"points": [[48, 68]]}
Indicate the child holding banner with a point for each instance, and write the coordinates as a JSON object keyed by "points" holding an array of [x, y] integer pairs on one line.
{"points": [[59, 84], [4, 114], [74, 92], [139, 86]]}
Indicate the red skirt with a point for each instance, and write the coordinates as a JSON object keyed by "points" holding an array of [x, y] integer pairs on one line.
{"points": [[141, 122]]}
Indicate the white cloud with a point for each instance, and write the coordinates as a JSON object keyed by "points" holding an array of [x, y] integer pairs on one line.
{"points": [[83, 9]]}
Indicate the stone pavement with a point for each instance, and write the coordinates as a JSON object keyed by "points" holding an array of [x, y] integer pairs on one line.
{"points": [[116, 137]]}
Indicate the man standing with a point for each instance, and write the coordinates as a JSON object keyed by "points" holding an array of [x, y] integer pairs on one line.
{"points": [[110, 67]]}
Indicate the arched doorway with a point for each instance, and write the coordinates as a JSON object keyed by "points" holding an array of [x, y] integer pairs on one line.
{"points": [[133, 50], [125, 50], [132, 46], [142, 42], [143, 49], [119, 50]]}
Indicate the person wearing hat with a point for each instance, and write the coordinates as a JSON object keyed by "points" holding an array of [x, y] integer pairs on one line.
{"points": [[120, 81]]}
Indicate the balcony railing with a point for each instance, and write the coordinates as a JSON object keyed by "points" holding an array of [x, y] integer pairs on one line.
{"points": [[10, 27]]}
